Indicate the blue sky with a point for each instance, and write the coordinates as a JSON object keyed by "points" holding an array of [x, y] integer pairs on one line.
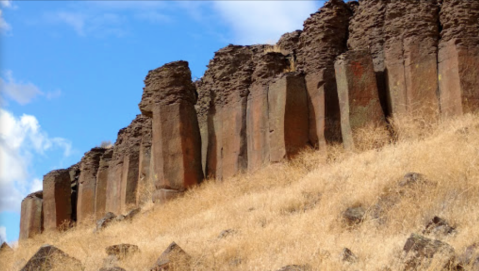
{"points": [[71, 73]]}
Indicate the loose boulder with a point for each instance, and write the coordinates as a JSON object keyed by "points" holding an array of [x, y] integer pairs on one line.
{"points": [[421, 252], [49, 257], [173, 258], [121, 251], [354, 215]]}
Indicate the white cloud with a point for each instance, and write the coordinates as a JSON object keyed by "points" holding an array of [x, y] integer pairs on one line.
{"points": [[263, 21], [21, 138], [3, 234], [75, 20], [4, 26], [86, 23], [20, 92]]}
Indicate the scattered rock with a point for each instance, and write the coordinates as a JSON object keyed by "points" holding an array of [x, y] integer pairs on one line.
{"points": [[420, 251], [348, 256], [411, 178], [129, 215], [173, 258], [5, 248], [103, 223], [121, 251], [354, 215], [49, 257], [295, 267], [438, 226], [226, 233]]}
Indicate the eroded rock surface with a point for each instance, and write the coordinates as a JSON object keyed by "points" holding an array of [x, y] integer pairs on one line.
{"points": [[31, 221]]}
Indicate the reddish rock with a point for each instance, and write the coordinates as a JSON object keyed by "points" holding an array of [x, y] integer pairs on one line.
{"points": [[57, 207], [87, 185], [358, 94], [366, 33], [124, 169], [288, 116], [222, 110], [101, 183], [323, 38], [411, 34], [31, 219], [257, 119], [175, 133], [145, 185], [459, 57]]}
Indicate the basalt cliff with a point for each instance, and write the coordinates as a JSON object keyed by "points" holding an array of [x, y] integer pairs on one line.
{"points": [[354, 65]]}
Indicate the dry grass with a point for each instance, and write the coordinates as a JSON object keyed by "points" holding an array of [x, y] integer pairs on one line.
{"points": [[290, 213]]}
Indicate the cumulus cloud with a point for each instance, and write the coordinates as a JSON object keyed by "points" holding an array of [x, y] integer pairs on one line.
{"points": [[21, 138], [263, 21]]}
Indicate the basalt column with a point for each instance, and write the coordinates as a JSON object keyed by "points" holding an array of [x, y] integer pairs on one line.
{"points": [[323, 38], [57, 207], [31, 218], [287, 116], [87, 185], [459, 57], [145, 185], [257, 119], [124, 168], [358, 94], [366, 33], [176, 143], [223, 101], [101, 183], [411, 33]]}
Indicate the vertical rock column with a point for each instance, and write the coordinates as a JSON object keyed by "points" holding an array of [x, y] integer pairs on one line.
{"points": [[176, 143], [366, 33], [74, 172], [31, 218], [257, 119], [223, 98], [459, 57], [87, 185], [324, 37], [358, 94], [145, 184], [287, 116], [57, 207], [101, 183], [124, 167], [411, 33]]}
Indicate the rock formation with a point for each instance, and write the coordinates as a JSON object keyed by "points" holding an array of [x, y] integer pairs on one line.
{"points": [[31, 222], [169, 98], [459, 57], [351, 66], [57, 207]]}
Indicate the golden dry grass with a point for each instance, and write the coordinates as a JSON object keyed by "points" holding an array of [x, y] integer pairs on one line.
{"points": [[291, 213]]}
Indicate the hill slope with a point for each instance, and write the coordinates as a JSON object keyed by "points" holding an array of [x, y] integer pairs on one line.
{"points": [[292, 213]]}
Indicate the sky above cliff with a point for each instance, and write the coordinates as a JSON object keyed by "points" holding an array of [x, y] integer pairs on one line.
{"points": [[71, 73]]}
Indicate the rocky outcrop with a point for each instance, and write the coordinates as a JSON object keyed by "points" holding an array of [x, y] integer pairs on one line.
{"points": [[87, 184], [352, 65], [173, 258], [31, 222], [57, 207], [411, 35], [324, 37], [176, 146], [459, 57], [358, 94], [124, 167], [101, 183]]}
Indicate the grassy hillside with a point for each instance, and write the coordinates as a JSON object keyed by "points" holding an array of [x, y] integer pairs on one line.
{"points": [[291, 213]]}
